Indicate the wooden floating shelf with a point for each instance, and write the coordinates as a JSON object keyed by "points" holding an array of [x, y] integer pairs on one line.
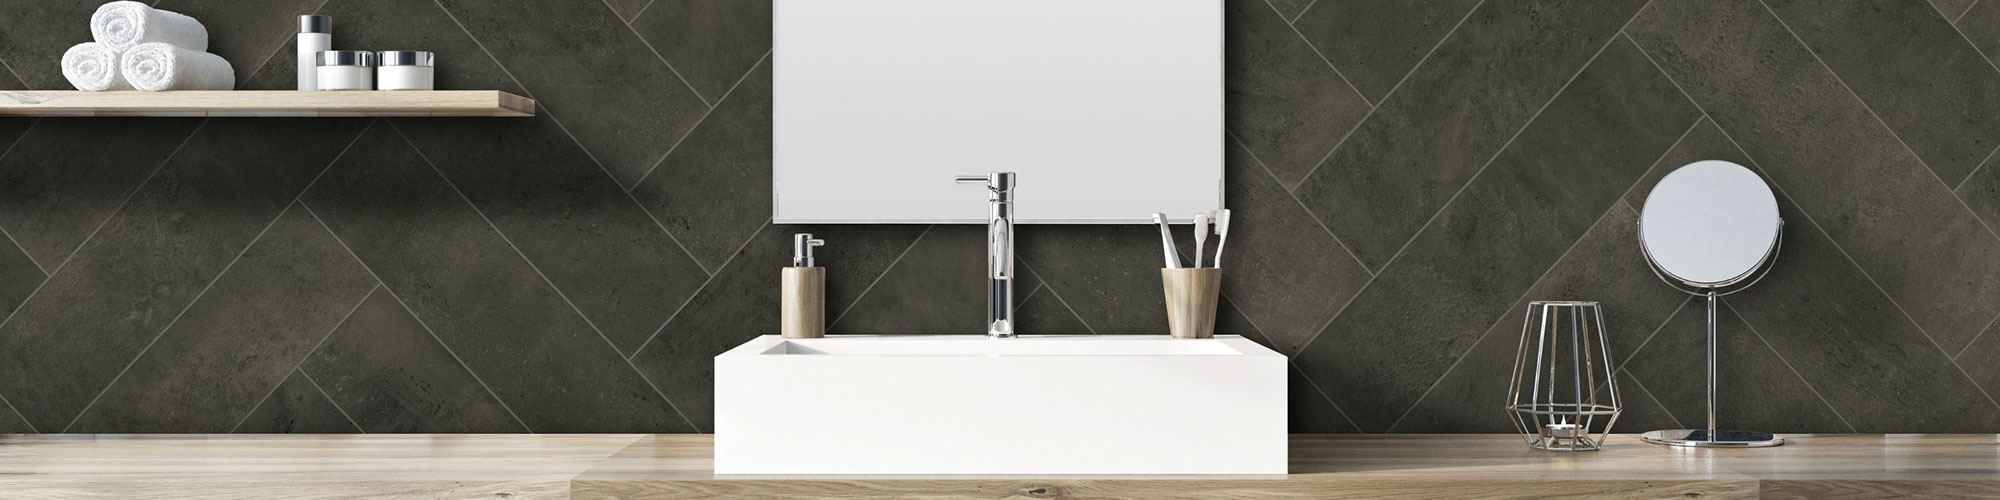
{"points": [[266, 103]]}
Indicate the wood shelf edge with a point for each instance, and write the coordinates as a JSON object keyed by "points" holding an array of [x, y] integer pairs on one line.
{"points": [[266, 103]]}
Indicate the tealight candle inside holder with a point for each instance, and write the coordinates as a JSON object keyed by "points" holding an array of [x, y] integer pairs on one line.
{"points": [[1562, 431]]}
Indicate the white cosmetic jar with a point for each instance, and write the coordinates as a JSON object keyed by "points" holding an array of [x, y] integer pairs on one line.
{"points": [[346, 70], [405, 70]]}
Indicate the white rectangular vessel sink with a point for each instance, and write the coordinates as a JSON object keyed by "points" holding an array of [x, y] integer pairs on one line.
{"points": [[966, 404]]}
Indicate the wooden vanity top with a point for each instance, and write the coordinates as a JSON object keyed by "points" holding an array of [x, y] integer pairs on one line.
{"points": [[678, 466]]}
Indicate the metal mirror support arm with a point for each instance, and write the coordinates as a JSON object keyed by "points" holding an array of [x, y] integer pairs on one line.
{"points": [[1714, 437]]}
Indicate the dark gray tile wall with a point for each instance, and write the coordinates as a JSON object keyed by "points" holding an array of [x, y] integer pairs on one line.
{"points": [[1406, 177]]}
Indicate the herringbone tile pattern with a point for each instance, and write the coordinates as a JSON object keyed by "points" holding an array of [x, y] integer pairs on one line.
{"points": [[1406, 175]]}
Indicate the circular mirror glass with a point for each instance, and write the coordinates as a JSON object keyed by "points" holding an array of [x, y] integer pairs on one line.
{"points": [[1709, 223]]}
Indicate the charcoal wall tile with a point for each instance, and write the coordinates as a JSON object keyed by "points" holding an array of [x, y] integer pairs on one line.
{"points": [[715, 188], [413, 25], [628, 8], [248, 330], [1821, 314], [1952, 9], [741, 303], [19, 277], [483, 301], [711, 43], [1283, 268], [592, 239], [391, 375], [1283, 100], [1977, 359], [1758, 392], [1914, 70], [1109, 274], [37, 34], [1491, 245], [1845, 169], [67, 175], [1981, 26], [1453, 115], [579, 60], [296, 407], [938, 286], [1310, 412], [1043, 312], [1291, 9], [152, 258], [1376, 43]]}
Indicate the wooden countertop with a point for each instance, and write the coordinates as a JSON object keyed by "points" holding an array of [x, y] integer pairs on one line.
{"points": [[678, 466]]}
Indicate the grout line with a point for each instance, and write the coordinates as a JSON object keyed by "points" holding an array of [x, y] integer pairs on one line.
{"points": [[878, 278], [663, 394], [1322, 57], [1975, 338], [697, 291], [1954, 27], [1039, 285], [1553, 265], [274, 50], [635, 15], [19, 415], [1961, 15], [1302, 205], [299, 367], [698, 122], [329, 400], [1489, 162], [538, 272], [1788, 366], [3, 231], [1975, 171], [17, 75], [1329, 400], [572, 137], [100, 227], [1656, 332], [1302, 12], [218, 277], [413, 315], [1949, 358], [1057, 295], [1649, 395], [1864, 272], [121, 204], [1399, 85], [1885, 126], [176, 319], [662, 58]]}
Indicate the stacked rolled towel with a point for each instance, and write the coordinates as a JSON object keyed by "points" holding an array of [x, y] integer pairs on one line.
{"points": [[93, 66], [160, 66], [123, 25]]}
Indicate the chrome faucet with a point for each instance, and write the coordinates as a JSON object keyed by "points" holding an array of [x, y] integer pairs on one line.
{"points": [[999, 252]]}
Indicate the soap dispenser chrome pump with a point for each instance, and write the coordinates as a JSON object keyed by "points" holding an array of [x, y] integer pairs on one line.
{"points": [[802, 297]]}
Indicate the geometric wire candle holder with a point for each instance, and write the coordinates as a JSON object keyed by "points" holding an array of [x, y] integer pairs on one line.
{"points": [[1560, 369]]}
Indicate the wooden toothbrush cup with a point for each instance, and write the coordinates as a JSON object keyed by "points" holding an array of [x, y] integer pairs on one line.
{"points": [[1191, 298]]}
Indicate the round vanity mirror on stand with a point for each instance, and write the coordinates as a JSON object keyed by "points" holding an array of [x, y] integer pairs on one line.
{"points": [[1707, 227]]}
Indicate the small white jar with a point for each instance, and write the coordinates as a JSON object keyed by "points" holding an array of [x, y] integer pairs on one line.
{"points": [[405, 70], [346, 70]]}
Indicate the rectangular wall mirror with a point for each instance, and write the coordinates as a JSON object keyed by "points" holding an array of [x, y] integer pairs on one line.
{"points": [[1109, 110]]}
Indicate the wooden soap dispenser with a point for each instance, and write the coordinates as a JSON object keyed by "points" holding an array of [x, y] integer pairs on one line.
{"points": [[802, 296]]}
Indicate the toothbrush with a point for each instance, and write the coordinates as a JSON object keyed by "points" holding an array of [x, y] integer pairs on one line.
{"points": [[1200, 236], [1222, 235], [1167, 241]]}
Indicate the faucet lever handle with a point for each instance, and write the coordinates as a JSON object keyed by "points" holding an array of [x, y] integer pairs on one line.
{"points": [[974, 179]]}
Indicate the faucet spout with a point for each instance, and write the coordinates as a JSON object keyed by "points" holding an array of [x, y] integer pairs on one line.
{"points": [[999, 252]]}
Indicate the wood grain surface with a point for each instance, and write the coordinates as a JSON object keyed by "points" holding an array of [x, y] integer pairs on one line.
{"points": [[679, 466], [265, 103]]}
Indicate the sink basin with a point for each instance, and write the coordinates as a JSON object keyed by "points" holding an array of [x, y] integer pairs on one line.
{"points": [[964, 404]]}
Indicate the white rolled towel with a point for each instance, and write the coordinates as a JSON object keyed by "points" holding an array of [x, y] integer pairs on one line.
{"points": [[160, 66], [123, 25], [93, 66]]}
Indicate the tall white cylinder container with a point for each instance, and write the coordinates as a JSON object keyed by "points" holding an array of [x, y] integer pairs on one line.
{"points": [[315, 35]]}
